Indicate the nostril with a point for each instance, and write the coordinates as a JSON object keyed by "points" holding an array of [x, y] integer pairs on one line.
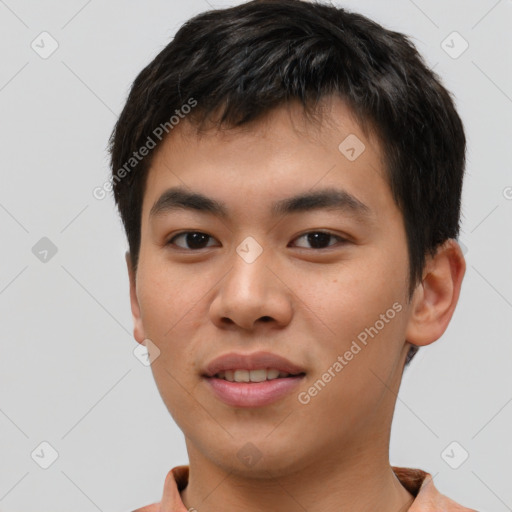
{"points": [[266, 319]]}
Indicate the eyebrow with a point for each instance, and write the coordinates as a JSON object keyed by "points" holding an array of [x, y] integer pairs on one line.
{"points": [[178, 198]]}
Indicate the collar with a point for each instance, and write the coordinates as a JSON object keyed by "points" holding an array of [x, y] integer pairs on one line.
{"points": [[418, 482]]}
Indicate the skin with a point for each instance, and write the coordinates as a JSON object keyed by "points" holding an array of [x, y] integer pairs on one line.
{"points": [[331, 454]]}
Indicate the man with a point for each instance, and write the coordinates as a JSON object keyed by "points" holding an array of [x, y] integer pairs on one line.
{"points": [[289, 177]]}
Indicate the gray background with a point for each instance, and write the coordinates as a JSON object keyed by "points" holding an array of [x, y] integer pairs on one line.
{"points": [[68, 375]]}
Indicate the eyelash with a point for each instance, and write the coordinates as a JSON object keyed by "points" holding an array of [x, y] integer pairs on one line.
{"points": [[340, 239]]}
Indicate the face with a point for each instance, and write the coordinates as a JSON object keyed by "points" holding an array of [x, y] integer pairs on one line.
{"points": [[322, 286]]}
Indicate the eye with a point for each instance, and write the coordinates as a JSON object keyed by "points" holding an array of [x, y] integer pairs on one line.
{"points": [[193, 240], [319, 239]]}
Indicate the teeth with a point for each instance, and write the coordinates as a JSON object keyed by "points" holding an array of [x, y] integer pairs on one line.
{"points": [[251, 375], [241, 376]]}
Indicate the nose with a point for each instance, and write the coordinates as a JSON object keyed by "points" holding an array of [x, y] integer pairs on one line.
{"points": [[251, 294]]}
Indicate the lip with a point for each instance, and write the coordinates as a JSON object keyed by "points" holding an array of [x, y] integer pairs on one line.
{"points": [[252, 394], [254, 361]]}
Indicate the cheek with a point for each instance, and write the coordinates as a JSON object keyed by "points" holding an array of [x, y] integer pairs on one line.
{"points": [[170, 321], [173, 302], [354, 367], [354, 297], [173, 305], [359, 314], [173, 378]]}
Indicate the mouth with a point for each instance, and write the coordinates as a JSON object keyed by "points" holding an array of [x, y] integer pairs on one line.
{"points": [[252, 380]]}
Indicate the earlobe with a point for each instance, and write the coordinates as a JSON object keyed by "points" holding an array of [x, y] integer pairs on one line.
{"points": [[436, 297], [138, 328]]}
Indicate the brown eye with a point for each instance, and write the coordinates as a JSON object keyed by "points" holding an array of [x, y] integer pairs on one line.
{"points": [[194, 240], [320, 239]]}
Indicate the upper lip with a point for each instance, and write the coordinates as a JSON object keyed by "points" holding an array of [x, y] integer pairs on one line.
{"points": [[255, 361]]}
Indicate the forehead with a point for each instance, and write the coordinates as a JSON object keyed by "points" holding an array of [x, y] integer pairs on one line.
{"points": [[280, 155]]}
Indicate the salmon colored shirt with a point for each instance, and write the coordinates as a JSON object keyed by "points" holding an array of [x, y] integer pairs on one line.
{"points": [[418, 482]]}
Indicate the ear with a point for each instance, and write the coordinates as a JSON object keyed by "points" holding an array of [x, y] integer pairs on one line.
{"points": [[138, 328], [435, 298]]}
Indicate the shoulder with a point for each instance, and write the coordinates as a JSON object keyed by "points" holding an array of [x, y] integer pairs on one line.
{"points": [[429, 499], [175, 481]]}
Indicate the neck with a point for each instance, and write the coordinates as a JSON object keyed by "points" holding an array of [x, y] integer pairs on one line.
{"points": [[326, 484]]}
